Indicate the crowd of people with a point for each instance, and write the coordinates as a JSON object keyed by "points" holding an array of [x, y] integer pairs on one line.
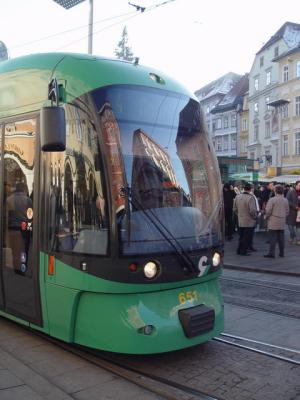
{"points": [[269, 207]]}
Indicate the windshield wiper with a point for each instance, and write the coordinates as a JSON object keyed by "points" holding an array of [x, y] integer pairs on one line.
{"points": [[184, 259]]}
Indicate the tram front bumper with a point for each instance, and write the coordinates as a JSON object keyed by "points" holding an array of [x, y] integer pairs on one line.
{"points": [[153, 322]]}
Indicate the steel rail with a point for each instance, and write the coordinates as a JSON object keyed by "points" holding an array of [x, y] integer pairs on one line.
{"points": [[263, 352], [253, 283]]}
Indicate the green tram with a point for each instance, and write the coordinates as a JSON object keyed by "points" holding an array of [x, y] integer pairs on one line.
{"points": [[111, 205]]}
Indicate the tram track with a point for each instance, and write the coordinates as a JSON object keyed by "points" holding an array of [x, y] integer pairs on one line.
{"points": [[259, 283], [212, 371], [165, 388], [160, 386], [286, 354], [262, 306], [278, 298]]}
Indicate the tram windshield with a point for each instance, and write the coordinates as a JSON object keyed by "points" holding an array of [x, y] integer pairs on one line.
{"points": [[165, 180]]}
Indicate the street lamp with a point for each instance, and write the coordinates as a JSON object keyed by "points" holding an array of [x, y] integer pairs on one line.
{"points": [[278, 105], [67, 4]]}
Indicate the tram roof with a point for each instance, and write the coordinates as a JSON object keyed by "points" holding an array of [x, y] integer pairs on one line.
{"points": [[24, 80]]}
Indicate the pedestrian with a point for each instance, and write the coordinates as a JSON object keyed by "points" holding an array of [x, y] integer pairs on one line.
{"points": [[250, 245], [277, 210], [286, 189], [271, 190], [294, 206], [245, 207], [228, 196]]}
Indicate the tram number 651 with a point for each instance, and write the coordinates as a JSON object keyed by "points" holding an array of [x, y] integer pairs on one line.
{"points": [[191, 295]]}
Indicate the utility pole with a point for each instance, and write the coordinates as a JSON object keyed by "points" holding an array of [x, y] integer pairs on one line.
{"points": [[67, 4], [90, 39]]}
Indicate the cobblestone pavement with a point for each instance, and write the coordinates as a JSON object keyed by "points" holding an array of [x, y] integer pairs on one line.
{"points": [[226, 372], [34, 369]]}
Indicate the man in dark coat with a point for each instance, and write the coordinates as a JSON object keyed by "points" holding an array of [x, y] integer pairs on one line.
{"points": [[228, 195], [292, 198]]}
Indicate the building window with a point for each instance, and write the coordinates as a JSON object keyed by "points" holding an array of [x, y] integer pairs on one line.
{"points": [[256, 107], [225, 143], [225, 122], [245, 125], [267, 129], [268, 157], [267, 103], [252, 155], [285, 145], [285, 73], [297, 143], [219, 144], [268, 78], [297, 105], [219, 123], [78, 125], [256, 132], [276, 51], [256, 84], [261, 61], [285, 111], [298, 69], [207, 110], [233, 142], [233, 120], [243, 146]]}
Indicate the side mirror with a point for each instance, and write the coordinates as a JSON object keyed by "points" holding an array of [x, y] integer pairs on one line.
{"points": [[53, 129]]}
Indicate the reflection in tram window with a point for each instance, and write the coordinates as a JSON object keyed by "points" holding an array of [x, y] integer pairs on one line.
{"points": [[19, 232], [161, 161], [78, 210], [19, 148]]}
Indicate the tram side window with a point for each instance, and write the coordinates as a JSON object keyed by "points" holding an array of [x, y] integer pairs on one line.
{"points": [[77, 201]]}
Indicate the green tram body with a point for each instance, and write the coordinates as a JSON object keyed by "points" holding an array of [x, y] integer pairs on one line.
{"points": [[104, 300]]}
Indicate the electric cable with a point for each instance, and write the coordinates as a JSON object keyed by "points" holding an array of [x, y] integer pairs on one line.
{"points": [[136, 13]]}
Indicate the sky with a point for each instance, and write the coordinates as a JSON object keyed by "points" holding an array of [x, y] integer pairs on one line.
{"points": [[194, 41]]}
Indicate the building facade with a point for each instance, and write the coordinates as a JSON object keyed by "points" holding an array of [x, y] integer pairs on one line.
{"points": [[265, 117], [287, 106], [243, 138], [225, 106], [226, 115], [210, 96]]}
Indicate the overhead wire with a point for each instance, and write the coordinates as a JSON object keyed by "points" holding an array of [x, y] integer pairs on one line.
{"points": [[136, 13], [70, 30], [140, 10]]}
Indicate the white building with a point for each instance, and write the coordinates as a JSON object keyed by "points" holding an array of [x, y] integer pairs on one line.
{"points": [[220, 127], [265, 122]]}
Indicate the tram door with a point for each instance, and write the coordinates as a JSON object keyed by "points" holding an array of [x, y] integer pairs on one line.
{"points": [[19, 267]]}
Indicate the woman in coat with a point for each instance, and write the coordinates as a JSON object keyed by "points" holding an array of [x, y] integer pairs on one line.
{"points": [[277, 209]]}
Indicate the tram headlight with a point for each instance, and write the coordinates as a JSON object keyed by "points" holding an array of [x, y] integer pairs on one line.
{"points": [[216, 259], [151, 269]]}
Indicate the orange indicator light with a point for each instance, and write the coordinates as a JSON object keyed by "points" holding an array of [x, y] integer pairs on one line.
{"points": [[51, 265]]}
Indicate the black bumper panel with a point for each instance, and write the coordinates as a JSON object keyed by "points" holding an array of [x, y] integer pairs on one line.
{"points": [[197, 320]]}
